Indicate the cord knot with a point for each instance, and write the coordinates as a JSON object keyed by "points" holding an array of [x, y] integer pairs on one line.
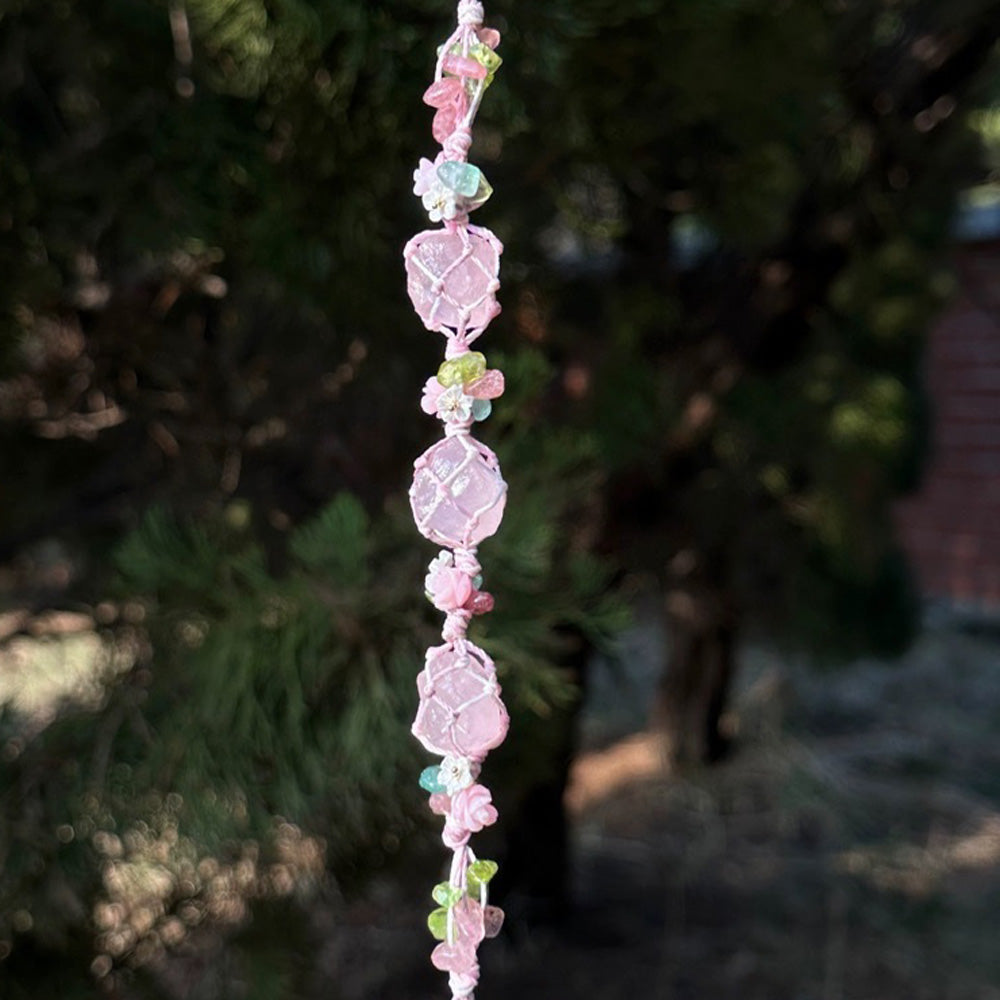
{"points": [[466, 561], [470, 12], [455, 626], [456, 146]]}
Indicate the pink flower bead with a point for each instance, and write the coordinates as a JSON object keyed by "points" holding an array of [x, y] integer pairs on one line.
{"points": [[425, 176], [472, 808], [432, 392], [450, 589]]}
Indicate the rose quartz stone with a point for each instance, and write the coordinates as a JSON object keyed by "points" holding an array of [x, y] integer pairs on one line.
{"points": [[469, 921], [460, 711], [458, 495], [492, 920], [487, 386], [452, 277], [458, 957], [469, 927]]}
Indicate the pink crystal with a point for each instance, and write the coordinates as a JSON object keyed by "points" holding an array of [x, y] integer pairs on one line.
{"points": [[452, 277], [469, 926], [458, 957], [445, 120], [458, 495], [460, 711], [493, 920], [489, 37], [488, 386], [443, 92], [461, 66]]}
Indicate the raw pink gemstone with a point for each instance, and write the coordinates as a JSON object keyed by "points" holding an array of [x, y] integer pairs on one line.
{"points": [[493, 920], [490, 37], [445, 120], [460, 711], [461, 66], [488, 386], [445, 91], [468, 928], [458, 957], [452, 277], [458, 495], [469, 921]]}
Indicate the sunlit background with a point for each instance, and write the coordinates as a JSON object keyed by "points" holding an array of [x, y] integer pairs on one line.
{"points": [[748, 584]]}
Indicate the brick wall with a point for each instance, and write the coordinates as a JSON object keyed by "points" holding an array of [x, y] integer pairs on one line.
{"points": [[951, 527]]}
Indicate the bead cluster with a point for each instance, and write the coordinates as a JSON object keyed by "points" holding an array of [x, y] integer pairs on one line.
{"points": [[458, 493]]}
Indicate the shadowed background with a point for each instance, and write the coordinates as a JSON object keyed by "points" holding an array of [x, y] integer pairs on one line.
{"points": [[730, 228]]}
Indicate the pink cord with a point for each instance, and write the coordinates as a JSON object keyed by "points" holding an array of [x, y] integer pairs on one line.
{"points": [[458, 494]]}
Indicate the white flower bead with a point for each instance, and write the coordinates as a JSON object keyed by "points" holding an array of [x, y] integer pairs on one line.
{"points": [[454, 406], [457, 773]]}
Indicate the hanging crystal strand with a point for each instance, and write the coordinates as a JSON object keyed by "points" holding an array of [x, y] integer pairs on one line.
{"points": [[458, 494]]}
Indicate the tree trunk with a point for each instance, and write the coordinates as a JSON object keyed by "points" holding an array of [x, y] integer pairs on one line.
{"points": [[533, 882], [694, 690]]}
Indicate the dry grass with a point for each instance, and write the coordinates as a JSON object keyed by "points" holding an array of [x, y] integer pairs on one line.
{"points": [[849, 851]]}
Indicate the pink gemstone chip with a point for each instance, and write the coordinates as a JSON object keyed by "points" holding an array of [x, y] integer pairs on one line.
{"points": [[492, 920], [460, 711], [487, 386], [470, 921], [452, 278], [457, 957], [458, 495]]}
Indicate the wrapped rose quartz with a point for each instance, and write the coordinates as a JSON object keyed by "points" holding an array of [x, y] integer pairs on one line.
{"points": [[452, 278], [458, 494], [460, 712]]}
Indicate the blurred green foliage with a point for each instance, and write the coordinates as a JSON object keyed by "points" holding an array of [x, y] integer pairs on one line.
{"points": [[726, 230]]}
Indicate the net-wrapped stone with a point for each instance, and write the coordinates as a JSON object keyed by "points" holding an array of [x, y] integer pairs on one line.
{"points": [[452, 278], [458, 494], [460, 711]]}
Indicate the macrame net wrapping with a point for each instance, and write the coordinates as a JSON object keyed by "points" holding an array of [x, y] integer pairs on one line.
{"points": [[458, 494], [452, 279], [460, 714]]}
